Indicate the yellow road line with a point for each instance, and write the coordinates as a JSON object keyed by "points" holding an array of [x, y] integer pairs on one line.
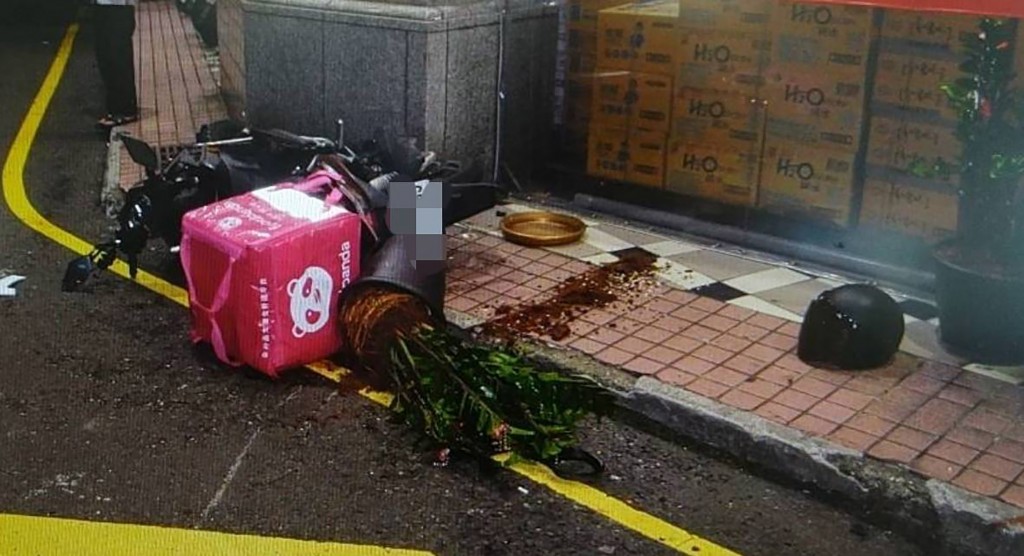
{"points": [[49, 536], [14, 192], [14, 186], [616, 510]]}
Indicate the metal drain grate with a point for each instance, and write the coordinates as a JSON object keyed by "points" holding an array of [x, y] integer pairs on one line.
{"points": [[168, 152]]}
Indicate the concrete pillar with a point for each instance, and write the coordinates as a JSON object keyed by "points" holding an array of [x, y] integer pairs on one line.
{"points": [[421, 68]]}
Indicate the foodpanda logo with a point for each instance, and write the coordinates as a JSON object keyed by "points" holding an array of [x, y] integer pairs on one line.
{"points": [[229, 223], [310, 300]]}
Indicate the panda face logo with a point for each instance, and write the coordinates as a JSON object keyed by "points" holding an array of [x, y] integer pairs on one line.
{"points": [[229, 223], [310, 300]]}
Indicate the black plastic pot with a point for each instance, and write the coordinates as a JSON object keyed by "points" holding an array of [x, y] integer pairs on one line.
{"points": [[981, 316], [392, 266]]}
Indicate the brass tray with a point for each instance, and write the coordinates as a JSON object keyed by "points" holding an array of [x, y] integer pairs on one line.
{"points": [[537, 229]]}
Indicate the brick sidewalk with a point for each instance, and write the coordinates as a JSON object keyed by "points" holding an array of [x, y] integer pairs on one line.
{"points": [[176, 88], [935, 417], [940, 420]]}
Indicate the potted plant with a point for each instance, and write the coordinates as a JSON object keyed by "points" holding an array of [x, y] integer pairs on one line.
{"points": [[980, 272]]}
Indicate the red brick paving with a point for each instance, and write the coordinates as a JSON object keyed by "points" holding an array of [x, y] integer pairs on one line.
{"points": [[1009, 449], [911, 438], [871, 424], [644, 366], [833, 413], [707, 388], [731, 343], [997, 467], [972, 437], [937, 468], [713, 354], [746, 365], [760, 388], [676, 377], [890, 451], [938, 420], [813, 425], [177, 92], [980, 483], [1014, 495], [853, 438], [741, 400], [951, 451], [850, 398], [796, 400]]}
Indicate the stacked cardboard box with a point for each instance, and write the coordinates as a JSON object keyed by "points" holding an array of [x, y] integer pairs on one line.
{"points": [[814, 90], [581, 27], [912, 124], [632, 99], [718, 120]]}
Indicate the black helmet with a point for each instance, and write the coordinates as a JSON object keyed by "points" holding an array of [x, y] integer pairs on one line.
{"points": [[851, 327]]}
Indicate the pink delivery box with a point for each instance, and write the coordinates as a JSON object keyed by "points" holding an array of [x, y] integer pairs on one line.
{"points": [[264, 271]]}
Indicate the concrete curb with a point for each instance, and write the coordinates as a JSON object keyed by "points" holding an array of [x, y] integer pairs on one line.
{"points": [[111, 195], [943, 517]]}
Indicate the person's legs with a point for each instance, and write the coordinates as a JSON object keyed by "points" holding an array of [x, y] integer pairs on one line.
{"points": [[105, 51], [123, 102]]}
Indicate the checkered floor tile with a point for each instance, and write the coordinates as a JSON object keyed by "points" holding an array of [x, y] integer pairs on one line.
{"points": [[757, 283]]}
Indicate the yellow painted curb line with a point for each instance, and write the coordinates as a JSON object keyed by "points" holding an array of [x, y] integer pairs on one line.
{"points": [[14, 193], [50, 536]]}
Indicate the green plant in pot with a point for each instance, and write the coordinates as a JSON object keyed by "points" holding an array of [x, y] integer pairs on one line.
{"points": [[980, 273]]}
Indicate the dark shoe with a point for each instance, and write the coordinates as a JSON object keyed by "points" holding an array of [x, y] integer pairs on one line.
{"points": [[110, 121]]}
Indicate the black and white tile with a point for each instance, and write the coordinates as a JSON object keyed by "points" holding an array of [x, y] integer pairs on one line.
{"points": [[753, 282]]}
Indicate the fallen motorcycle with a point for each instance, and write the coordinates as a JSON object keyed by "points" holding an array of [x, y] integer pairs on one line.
{"points": [[229, 160]]}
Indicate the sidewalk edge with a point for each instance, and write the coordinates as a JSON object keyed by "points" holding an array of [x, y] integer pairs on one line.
{"points": [[929, 511], [111, 194]]}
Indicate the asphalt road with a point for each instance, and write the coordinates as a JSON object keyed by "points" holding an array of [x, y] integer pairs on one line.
{"points": [[108, 414]]}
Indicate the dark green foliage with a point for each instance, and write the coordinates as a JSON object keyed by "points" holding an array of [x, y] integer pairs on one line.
{"points": [[990, 125], [483, 401]]}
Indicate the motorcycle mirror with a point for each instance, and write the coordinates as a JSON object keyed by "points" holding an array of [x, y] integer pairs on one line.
{"points": [[79, 270], [141, 153]]}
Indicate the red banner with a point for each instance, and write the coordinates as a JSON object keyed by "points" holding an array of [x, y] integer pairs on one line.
{"points": [[1006, 8]]}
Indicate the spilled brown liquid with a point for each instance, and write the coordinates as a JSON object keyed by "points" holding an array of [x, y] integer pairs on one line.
{"points": [[595, 289]]}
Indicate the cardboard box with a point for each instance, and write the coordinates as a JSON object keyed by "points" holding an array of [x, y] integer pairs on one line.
{"points": [[583, 41], [909, 206], [723, 60], [815, 108], [908, 86], [635, 156], [639, 37], [725, 173], [710, 116], [582, 14], [582, 62], [807, 181], [828, 38], [901, 144], [628, 100], [733, 15], [939, 33], [830, 20], [579, 100], [574, 142], [581, 50]]}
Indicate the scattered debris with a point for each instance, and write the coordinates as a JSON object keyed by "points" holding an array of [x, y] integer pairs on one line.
{"points": [[7, 284], [597, 288]]}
